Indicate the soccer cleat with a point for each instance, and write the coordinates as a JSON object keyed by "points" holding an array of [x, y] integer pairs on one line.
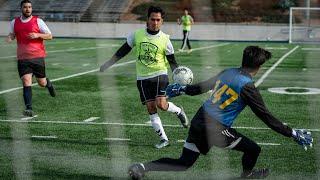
{"points": [[136, 171], [255, 174], [183, 118], [189, 51], [163, 143], [28, 113], [51, 89]]}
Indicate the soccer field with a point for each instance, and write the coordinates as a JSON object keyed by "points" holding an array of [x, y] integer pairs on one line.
{"points": [[96, 126]]}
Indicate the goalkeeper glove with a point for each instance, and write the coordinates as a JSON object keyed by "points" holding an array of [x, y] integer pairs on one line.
{"points": [[302, 137], [174, 90]]}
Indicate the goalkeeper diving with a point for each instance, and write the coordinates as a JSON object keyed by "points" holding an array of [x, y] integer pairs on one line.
{"points": [[233, 89]]}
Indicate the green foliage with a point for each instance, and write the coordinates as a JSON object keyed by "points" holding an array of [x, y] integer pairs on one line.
{"points": [[286, 4]]}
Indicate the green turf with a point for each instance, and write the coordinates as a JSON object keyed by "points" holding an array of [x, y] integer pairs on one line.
{"points": [[80, 151]]}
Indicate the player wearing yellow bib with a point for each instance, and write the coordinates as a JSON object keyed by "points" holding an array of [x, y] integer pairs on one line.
{"points": [[186, 21], [154, 52]]}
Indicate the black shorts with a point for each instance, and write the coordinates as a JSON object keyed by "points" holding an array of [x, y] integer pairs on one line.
{"points": [[206, 132], [32, 66], [151, 88]]}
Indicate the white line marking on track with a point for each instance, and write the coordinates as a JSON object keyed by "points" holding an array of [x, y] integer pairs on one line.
{"points": [[44, 137], [116, 139], [95, 70], [91, 119], [264, 76], [127, 124]]}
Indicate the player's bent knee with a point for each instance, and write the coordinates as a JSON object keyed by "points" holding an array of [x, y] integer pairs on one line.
{"points": [[162, 105], [42, 82], [255, 150], [186, 164]]}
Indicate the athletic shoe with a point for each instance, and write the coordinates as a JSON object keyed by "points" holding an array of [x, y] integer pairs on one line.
{"points": [[51, 89], [136, 171], [256, 174], [189, 51], [28, 113], [183, 118], [163, 143]]}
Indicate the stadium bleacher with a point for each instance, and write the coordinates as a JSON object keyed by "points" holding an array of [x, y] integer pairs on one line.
{"points": [[69, 11], [105, 11]]}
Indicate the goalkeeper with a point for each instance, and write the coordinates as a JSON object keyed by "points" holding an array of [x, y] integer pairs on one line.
{"points": [[233, 89]]}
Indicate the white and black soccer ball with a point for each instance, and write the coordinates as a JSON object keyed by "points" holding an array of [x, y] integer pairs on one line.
{"points": [[182, 75]]}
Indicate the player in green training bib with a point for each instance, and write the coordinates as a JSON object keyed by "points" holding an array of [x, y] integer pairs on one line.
{"points": [[186, 21], [154, 53]]}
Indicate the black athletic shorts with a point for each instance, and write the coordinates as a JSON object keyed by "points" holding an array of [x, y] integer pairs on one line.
{"points": [[206, 132], [151, 88], [32, 66]]}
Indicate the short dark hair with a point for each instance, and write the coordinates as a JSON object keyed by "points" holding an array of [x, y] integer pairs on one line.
{"points": [[24, 1], [254, 57], [155, 9]]}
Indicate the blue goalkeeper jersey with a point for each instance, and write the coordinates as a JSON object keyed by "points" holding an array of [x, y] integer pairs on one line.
{"points": [[226, 103]]}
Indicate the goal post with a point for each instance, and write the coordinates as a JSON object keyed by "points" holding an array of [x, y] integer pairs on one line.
{"points": [[304, 25]]}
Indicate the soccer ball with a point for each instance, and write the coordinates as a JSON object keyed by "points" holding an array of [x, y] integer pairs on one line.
{"points": [[182, 75]]}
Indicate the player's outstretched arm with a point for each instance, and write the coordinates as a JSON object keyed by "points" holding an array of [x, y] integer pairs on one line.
{"points": [[174, 90], [122, 51], [172, 61]]}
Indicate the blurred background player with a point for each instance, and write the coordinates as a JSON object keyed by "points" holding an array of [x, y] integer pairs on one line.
{"points": [[233, 89], [186, 20], [30, 31], [153, 50]]}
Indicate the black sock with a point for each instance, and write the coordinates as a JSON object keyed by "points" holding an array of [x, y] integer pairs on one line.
{"points": [[49, 84], [27, 96]]}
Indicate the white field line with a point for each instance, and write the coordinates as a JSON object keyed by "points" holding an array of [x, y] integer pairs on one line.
{"points": [[208, 47], [126, 124], [116, 139], [310, 49], [269, 144], [95, 70], [264, 76], [64, 50], [46, 43], [263, 144], [276, 48], [28, 118], [70, 76], [44, 137], [91, 119]]}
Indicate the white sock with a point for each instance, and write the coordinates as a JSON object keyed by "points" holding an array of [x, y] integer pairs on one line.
{"points": [[173, 108], [157, 126]]}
